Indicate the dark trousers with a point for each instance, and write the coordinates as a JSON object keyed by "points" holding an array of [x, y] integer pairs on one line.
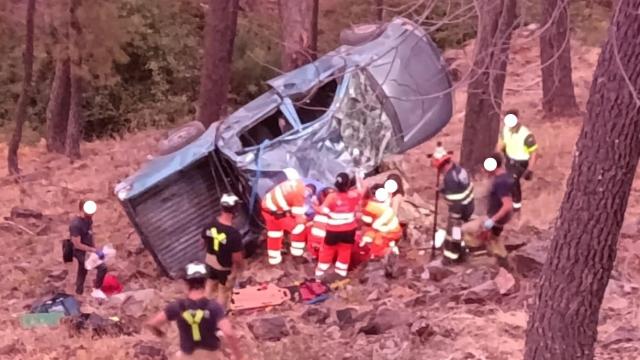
{"points": [[517, 169], [82, 273]]}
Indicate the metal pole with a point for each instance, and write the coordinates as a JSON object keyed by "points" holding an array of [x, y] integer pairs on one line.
{"points": [[435, 216]]}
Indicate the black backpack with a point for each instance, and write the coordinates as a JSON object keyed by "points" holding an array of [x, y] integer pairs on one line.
{"points": [[67, 250]]}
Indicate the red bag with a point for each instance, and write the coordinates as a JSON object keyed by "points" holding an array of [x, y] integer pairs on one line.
{"points": [[111, 285]]}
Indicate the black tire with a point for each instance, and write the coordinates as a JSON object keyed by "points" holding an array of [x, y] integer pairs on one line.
{"points": [[180, 137], [361, 34]]}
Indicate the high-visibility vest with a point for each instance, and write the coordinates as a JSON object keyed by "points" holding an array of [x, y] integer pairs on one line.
{"points": [[515, 147], [287, 196], [384, 218], [340, 208]]}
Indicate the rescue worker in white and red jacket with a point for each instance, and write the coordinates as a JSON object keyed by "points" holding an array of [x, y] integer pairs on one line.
{"points": [[283, 209], [340, 208], [318, 226]]}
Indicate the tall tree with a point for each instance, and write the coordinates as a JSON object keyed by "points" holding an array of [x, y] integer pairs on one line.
{"points": [[496, 20], [58, 107], [558, 97], [379, 10], [219, 36], [21, 108], [75, 120], [564, 320], [299, 26]]}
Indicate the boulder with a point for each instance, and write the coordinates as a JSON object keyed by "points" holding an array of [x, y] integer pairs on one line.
{"points": [[481, 294], [437, 272], [269, 328], [528, 261], [386, 318], [24, 213], [316, 315], [346, 316], [477, 276], [504, 281]]}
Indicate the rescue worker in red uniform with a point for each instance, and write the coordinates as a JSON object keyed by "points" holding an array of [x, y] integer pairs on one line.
{"points": [[385, 230], [318, 226], [340, 209], [283, 210], [457, 190]]}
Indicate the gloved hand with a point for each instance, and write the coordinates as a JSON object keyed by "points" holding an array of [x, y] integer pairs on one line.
{"points": [[100, 254], [394, 248], [489, 223], [527, 175]]}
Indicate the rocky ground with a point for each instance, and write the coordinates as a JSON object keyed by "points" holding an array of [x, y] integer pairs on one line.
{"points": [[426, 312]]}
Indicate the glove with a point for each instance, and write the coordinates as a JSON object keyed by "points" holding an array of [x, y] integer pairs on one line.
{"points": [[527, 175], [489, 223], [394, 248], [100, 254]]}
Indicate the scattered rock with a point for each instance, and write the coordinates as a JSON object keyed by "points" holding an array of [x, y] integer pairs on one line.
{"points": [[9, 349], [385, 319], [270, 275], [615, 302], [24, 213], [438, 272], [144, 295], [147, 350], [481, 293], [333, 332], [528, 261], [269, 328], [422, 329], [401, 292], [478, 276], [346, 316], [625, 333], [504, 281], [630, 226], [375, 295], [316, 315], [58, 275]]}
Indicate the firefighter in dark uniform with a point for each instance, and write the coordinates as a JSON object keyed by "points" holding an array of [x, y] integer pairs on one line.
{"points": [[457, 190], [519, 145]]}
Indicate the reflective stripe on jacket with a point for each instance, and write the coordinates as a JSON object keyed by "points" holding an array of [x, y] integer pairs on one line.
{"points": [[384, 218], [286, 196], [340, 209]]}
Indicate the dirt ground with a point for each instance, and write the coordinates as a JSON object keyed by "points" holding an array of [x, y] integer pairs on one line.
{"points": [[31, 263]]}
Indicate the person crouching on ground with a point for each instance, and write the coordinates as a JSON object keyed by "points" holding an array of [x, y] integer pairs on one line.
{"points": [[81, 233], [225, 256], [499, 212], [198, 320]]}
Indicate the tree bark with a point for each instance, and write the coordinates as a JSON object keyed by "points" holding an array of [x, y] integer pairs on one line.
{"points": [[564, 320], [58, 107], [558, 97], [299, 26], [75, 122], [379, 10], [21, 107], [484, 100], [219, 36]]}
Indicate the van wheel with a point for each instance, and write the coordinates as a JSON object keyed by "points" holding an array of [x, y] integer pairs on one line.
{"points": [[180, 137], [361, 34]]}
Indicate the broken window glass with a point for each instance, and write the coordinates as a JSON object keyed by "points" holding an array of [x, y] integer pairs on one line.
{"points": [[365, 127], [310, 107], [269, 128]]}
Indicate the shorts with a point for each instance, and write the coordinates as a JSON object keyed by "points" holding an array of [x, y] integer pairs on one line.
{"points": [[218, 275], [340, 237]]}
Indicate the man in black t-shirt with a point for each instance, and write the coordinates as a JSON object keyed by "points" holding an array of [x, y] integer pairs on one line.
{"points": [[225, 257], [80, 231], [499, 212], [198, 320]]}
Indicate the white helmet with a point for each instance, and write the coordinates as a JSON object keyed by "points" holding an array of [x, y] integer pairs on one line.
{"points": [[291, 173], [510, 120], [89, 207], [229, 199]]}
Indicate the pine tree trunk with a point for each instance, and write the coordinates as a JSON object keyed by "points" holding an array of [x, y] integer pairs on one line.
{"points": [[484, 100], [21, 108], [558, 98], [219, 36], [299, 26], [76, 121], [564, 320], [58, 107], [379, 10]]}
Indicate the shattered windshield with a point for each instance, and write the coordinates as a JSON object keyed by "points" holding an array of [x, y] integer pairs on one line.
{"points": [[365, 127]]}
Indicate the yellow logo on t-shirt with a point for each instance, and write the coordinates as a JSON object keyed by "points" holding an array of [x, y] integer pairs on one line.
{"points": [[218, 238]]}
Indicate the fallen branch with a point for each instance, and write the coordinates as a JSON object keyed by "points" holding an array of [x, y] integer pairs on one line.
{"points": [[19, 227]]}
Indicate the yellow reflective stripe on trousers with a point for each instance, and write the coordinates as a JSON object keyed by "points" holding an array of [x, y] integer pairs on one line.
{"points": [[194, 321]]}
